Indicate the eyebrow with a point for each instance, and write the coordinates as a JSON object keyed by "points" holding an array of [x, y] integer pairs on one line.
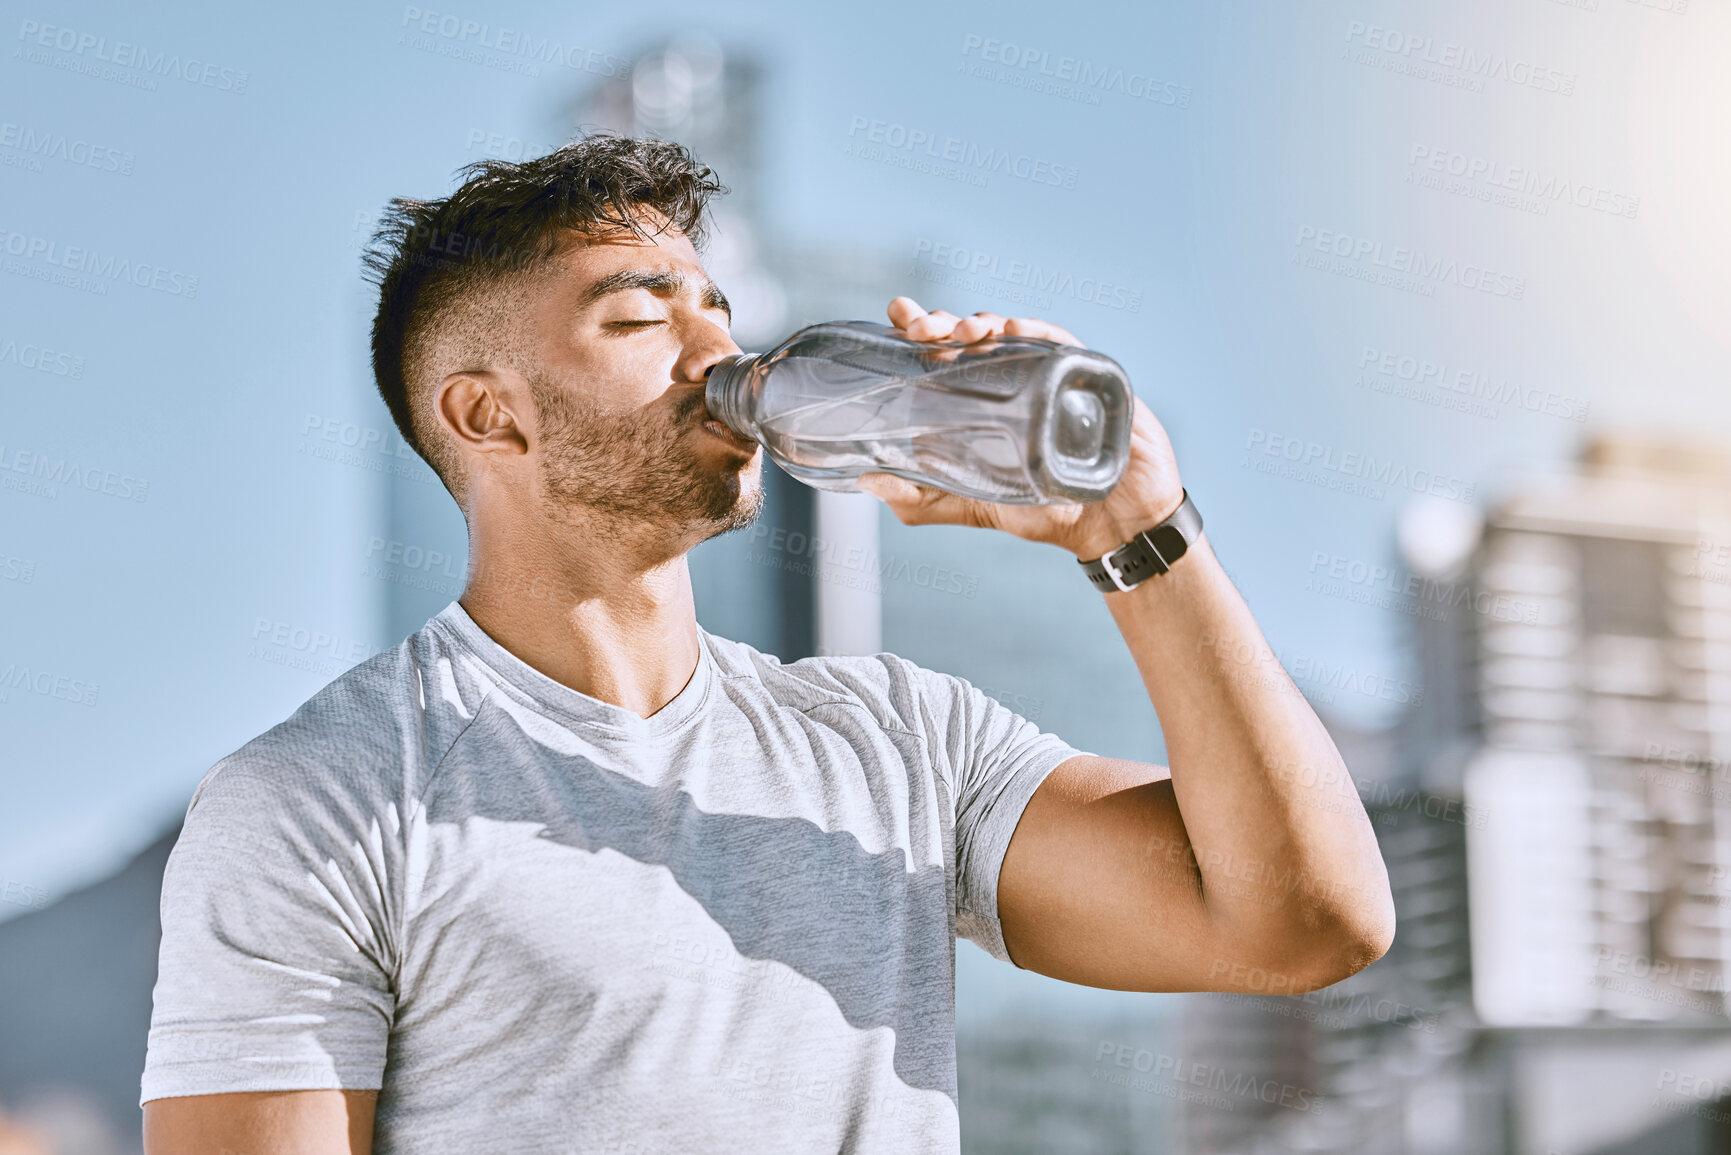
{"points": [[661, 282]]}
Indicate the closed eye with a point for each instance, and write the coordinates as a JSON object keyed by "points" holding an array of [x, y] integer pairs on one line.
{"points": [[633, 324]]}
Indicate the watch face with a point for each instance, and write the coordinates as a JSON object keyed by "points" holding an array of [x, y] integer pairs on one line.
{"points": [[1168, 541]]}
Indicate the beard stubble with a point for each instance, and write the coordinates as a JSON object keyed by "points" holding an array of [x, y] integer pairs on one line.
{"points": [[634, 469]]}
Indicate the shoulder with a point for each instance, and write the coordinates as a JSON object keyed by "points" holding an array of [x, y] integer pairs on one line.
{"points": [[362, 745], [899, 693]]}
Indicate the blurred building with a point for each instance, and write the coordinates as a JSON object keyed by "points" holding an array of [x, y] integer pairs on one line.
{"points": [[1382, 1058], [1036, 1084], [1556, 818], [1606, 694], [74, 1019]]}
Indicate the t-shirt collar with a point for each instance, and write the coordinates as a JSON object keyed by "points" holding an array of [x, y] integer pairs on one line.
{"points": [[561, 701]]}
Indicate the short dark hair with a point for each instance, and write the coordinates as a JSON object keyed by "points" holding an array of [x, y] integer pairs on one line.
{"points": [[436, 261]]}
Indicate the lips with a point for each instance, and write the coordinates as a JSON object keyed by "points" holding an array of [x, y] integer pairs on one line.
{"points": [[729, 435]]}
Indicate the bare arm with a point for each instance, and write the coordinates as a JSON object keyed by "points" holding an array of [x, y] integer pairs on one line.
{"points": [[261, 1123], [1251, 865]]}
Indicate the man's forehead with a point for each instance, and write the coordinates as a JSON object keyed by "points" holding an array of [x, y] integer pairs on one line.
{"points": [[616, 244], [583, 260]]}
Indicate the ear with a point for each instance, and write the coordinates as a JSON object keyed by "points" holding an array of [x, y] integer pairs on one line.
{"points": [[478, 408]]}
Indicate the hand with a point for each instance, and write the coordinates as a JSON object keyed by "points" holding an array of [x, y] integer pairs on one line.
{"points": [[1148, 493]]}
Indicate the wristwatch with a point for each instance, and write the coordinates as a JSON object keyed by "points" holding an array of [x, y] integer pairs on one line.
{"points": [[1149, 554]]}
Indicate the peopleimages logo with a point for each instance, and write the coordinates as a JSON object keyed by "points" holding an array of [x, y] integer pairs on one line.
{"points": [[82, 260], [882, 140], [22, 894], [512, 148], [1489, 179], [1354, 466], [1407, 51], [1398, 266], [1672, 7], [84, 51], [462, 36], [1423, 373], [297, 647], [46, 683], [1237, 1084], [1067, 76], [37, 145], [1253, 665], [1341, 1010], [857, 568], [40, 358], [363, 447], [1394, 588], [17, 569], [973, 265], [1711, 561], [37, 474], [414, 557]]}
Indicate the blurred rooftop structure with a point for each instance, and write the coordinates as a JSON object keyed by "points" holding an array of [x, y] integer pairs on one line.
{"points": [[1556, 819]]}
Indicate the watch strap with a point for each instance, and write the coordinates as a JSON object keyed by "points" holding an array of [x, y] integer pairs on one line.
{"points": [[1149, 554]]}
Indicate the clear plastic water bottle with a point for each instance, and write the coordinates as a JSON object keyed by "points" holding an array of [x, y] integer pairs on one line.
{"points": [[1016, 420]]}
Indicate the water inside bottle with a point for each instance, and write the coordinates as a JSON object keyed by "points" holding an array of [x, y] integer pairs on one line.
{"points": [[828, 422]]}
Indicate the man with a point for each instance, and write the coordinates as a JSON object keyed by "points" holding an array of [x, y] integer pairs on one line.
{"points": [[565, 872]]}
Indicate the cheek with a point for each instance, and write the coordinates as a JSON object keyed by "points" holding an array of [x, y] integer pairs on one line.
{"points": [[644, 385], [644, 361]]}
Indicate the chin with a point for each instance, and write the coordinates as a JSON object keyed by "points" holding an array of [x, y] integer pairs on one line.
{"points": [[744, 503]]}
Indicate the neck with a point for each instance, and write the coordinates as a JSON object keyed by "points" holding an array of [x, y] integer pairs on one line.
{"points": [[607, 613]]}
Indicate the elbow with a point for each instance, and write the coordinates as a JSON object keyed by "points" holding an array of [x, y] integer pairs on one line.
{"points": [[1337, 942], [1323, 930], [1322, 947]]}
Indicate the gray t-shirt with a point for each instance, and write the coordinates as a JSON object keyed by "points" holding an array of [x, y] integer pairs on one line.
{"points": [[538, 922]]}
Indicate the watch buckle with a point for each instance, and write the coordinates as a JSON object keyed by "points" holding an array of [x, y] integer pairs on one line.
{"points": [[1113, 572]]}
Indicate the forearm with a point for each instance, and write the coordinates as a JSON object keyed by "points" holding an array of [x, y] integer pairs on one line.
{"points": [[1288, 872], [1286, 856]]}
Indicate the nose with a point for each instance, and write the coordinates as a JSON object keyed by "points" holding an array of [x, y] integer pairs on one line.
{"points": [[709, 363], [705, 350]]}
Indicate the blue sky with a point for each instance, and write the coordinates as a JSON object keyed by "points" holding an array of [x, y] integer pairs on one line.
{"points": [[1289, 158]]}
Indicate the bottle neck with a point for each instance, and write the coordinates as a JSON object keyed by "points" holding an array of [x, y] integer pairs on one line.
{"points": [[725, 393]]}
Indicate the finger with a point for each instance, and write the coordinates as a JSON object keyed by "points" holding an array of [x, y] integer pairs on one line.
{"points": [[904, 311], [1034, 327], [934, 326], [978, 327], [921, 504], [887, 487], [1142, 419]]}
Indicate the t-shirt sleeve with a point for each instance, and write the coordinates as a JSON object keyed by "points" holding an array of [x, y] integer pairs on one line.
{"points": [[994, 759], [275, 969]]}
